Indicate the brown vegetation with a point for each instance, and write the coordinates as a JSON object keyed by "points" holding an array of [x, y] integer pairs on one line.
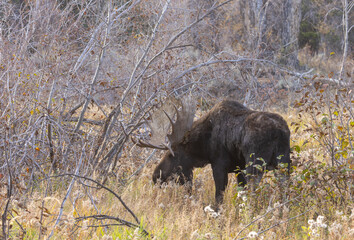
{"points": [[79, 78]]}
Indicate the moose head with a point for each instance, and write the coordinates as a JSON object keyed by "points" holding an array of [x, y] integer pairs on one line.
{"points": [[175, 163]]}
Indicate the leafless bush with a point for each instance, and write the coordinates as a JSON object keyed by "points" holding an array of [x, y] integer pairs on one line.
{"points": [[78, 78]]}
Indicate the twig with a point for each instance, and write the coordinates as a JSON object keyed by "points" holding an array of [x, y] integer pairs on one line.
{"points": [[142, 165], [116, 14], [49, 126], [73, 110], [86, 120], [19, 224], [104, 217], [104, 187], [68, 192], [9, 194]]}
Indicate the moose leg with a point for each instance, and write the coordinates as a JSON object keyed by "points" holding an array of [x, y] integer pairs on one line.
{"points": [[189, 181], [241, 180], [253, 177], [283, 162], [255, 168], [258, 156], [282, 174], [220, 179]]}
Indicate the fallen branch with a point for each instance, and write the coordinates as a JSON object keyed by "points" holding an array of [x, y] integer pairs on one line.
{"points": [[107, 217]]}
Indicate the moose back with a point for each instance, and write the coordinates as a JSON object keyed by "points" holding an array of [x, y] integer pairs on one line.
{"points": [[230, 137]]}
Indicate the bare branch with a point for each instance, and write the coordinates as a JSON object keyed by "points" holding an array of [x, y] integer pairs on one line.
{"points": [[68, 192], [104, 187]]}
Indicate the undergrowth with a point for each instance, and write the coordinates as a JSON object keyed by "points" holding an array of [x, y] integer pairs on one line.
{"points": [[318, 205]]}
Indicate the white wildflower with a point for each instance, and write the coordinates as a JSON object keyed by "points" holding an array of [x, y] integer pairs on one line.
{"points": [[253, 234], [241, 193], [242, 205], [211, 212], [316, 225], [311, 222], [320, 219], [208, 209], [244, 198], [161, 205], [323, 225], [214, 214]]}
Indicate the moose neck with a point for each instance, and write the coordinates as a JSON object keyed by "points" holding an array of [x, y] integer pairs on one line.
{"points": [[195, 144]]}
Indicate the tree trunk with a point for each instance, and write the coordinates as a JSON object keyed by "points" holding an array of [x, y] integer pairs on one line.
{"points": [[271, 27], [290, 31]]}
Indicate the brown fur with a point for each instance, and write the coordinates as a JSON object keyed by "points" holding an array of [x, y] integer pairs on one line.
{"points": [[229, 137]]}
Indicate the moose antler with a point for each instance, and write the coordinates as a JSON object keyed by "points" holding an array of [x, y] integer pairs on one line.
{"points": [[162, 120], [184, 121]]}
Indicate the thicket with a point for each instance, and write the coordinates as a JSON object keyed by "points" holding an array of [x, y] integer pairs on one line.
{"points": [[79, 78]]}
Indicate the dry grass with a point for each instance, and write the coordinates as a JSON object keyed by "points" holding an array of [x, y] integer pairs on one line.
{"points": [[324, 64], [169, 212]]}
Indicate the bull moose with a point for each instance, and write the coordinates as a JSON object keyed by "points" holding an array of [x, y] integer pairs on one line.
{"points": [[230, 137]]}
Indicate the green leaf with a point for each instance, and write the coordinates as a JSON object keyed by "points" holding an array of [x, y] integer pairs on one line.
{"points": [[297, 148]]}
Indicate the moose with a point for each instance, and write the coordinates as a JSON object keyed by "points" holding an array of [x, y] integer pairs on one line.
{"points": [[230, 137]]}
